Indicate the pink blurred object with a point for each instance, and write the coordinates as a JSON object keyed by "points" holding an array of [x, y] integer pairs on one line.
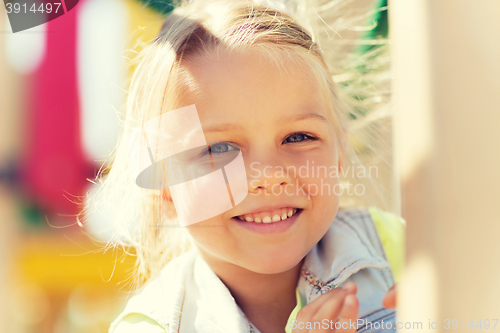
{"points": [[54, 168]]}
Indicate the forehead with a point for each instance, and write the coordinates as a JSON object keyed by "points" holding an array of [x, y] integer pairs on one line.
{"points": [[239, 84]]}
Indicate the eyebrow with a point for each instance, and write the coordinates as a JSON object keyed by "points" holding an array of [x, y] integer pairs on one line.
{"points": [[299, 117], [223, 128], [285, 119]]}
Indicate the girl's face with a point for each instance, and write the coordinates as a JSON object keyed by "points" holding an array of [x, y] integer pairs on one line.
{"points": [[291, 157]]}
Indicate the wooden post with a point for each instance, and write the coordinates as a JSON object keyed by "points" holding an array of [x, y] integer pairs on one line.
{"points": [[447, 135]]}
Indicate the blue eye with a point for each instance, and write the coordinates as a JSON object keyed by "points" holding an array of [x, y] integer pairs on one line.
{"points": [[220, 149], [299, 137]]}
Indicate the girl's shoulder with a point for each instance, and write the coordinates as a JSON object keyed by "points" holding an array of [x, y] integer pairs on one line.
{"points": [[136, 322], [390, 231], [149, 310], [353, 250]]}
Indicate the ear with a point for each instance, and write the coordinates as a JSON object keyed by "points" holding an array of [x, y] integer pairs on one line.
{"points": [[166, 195], [168, 204]]}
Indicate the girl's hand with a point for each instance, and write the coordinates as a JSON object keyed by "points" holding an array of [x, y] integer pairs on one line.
{"points": [[339, 304], [389, 300]]}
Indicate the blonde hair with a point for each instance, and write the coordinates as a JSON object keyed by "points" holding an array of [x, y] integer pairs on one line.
{"points": [[142, 218]]}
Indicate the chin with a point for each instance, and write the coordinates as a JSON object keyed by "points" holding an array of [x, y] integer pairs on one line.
{"points": [[274, 264]]}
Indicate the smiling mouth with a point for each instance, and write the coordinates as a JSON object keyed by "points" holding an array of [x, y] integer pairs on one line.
{"points": [[270, 217]]}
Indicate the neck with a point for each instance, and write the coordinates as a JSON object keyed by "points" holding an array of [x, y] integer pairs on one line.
{"points": [[266, 299]]}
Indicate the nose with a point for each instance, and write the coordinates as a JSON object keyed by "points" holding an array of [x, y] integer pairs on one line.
{"points": [[267, 171]]}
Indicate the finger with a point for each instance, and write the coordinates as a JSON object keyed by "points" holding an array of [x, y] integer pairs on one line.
{"points": [[351, 288], [310, 309], [320, 309], [347, 322], [389, 301], [329, 313]]}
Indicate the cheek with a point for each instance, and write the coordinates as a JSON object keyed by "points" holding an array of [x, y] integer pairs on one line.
{"points": [[319, 172], [321, 185], [208, 234], [215, 240]]}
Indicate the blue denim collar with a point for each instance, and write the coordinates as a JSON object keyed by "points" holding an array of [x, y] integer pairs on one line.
{"points": [[345, 249]]}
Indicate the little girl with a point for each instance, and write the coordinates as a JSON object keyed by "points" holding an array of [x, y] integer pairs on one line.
{"points": [[236, 90]]}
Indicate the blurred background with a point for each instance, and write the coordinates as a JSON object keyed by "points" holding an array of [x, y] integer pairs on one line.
{"points": [[62, 85]]}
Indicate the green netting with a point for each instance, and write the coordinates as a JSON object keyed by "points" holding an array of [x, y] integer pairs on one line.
{"points": [[161, 6]]}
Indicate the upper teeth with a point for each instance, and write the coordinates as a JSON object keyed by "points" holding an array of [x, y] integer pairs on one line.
{"points": [[268, 217]]}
